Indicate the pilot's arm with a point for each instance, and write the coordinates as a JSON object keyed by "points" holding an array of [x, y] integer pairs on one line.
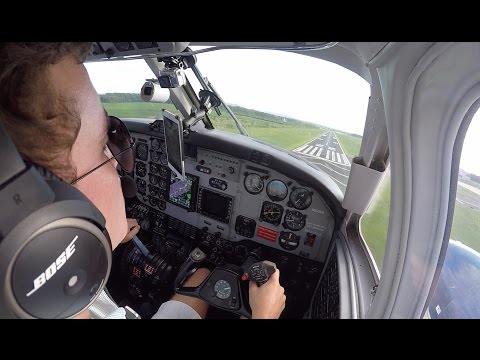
{"points": [[132, 229]]}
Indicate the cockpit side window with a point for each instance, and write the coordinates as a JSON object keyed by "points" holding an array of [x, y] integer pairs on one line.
{"points": [[457, 293]]}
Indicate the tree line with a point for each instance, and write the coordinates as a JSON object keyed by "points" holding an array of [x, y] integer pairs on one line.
{"points": [[237, 110]]}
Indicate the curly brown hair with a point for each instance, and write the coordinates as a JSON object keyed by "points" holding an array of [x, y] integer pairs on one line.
{"points": [[42, 123]]}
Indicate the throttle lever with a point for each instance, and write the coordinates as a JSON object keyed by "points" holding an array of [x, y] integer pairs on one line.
{"points": [[260, 271], [189, 266]]}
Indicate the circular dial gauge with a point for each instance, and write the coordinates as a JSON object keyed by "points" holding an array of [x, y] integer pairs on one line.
{"points": [[141, 169], [153, 190], [154, 168], [253, 183], [277, 190], [271, 213], [163, 146], [163, 172], [163, 159], [301, 198], [288, 240], [222, 289], [294, 220], [155, 156], [155, 144], [141, 151], [153, 179], [163, 184]]}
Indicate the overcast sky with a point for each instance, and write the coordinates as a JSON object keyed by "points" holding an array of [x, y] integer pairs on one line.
{"points": [[289, 84]]}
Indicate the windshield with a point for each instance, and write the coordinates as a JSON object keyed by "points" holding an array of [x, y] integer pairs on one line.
{"points": [[311, 107]]}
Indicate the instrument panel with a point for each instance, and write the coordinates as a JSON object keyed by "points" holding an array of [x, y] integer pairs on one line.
{"points": [[234, 199]]}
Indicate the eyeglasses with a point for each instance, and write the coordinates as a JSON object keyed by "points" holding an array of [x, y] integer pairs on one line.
{"points": [[120, 144]]}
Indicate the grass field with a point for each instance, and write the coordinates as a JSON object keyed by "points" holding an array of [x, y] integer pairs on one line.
{"points": [[472, 183], [465, 228], [374, 224], [466, 218], [138, 110], [286, 136], [350, 144]]}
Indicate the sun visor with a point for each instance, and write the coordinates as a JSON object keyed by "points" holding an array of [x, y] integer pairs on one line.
{"points": [[362, 184]]}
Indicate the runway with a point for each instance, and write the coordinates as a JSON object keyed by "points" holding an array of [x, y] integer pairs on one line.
{"points": [[327, 153]]}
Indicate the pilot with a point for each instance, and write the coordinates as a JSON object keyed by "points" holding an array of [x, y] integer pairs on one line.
{"points": [[53, 114]]}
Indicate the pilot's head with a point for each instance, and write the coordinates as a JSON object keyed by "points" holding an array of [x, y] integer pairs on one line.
{"points": [[53, 114]]}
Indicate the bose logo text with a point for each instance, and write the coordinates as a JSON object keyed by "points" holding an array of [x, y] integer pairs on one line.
{"points": [[52, 269]]}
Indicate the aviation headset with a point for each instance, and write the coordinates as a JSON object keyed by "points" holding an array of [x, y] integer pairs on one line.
{"points": [[55, 252]]}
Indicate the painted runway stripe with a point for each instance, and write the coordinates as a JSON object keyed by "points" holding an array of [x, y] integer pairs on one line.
{"points": [[301, 148], [330, 169], [330, 162]]}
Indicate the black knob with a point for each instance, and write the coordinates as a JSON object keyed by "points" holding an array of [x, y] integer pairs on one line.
{"points": [[231, 170], [201, 162]]}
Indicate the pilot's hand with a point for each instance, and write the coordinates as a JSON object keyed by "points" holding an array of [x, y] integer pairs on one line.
{"points": [[132, 229], [268, 300]]}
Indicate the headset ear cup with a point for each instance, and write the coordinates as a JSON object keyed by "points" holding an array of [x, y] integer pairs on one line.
{"points": [[60, 255]]}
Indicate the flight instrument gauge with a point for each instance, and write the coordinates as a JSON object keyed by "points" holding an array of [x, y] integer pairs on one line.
{"points": [[288, 240], [141, 151], [301, 198], [163, 159], [294, 220], [222, 289], [155, 156], [277, 190], [155, 144], [253, 183], [271, 213]]}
